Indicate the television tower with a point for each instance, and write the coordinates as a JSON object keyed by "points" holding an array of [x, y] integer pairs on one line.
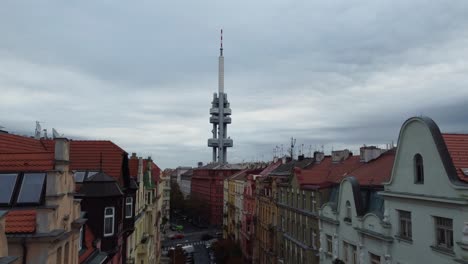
{"points": [[220, 116]]}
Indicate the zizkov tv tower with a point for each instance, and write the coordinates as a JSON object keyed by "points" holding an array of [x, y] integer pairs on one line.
{"points": [[220, 116]]}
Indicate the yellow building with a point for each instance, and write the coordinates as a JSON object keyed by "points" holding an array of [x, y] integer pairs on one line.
{"points": [[144, 243]]}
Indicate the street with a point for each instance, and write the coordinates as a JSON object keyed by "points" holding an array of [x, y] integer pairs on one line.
{"points": [[192, 236]]}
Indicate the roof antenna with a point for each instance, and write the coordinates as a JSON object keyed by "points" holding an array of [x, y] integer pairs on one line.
{"points": [[37, 132]]}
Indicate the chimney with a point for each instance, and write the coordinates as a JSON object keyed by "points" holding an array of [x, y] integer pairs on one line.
{"points": [[61, 153], [300, 157], [134, 156], [140, 168], [284, 160], [200, 164], [318, 156], [340, 155], [368, 153], [62, 149]]}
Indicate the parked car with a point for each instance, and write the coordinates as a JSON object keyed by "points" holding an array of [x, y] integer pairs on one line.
{"points": [[179, 236]]}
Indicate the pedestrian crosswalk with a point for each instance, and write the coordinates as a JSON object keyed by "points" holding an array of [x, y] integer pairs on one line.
{"points": [[193, 243]]}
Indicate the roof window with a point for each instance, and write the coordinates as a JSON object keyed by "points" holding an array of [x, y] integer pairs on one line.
{"points": [[22, 189]]}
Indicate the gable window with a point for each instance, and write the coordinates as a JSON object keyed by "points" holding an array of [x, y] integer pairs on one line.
{"points": [[444, 232], [109, 213], [405, 224], [418, 169], [128, 207], [348, 212]]}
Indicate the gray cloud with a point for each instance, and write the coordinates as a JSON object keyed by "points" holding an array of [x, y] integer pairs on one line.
{"points": [[142, 74]]}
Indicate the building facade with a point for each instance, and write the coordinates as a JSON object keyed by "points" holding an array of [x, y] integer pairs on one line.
{"points": [[186, 183], [44, 221], [426, 197], [208, 187]]}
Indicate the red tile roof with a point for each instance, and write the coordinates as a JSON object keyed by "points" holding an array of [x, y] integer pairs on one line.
{"points": [[26, 161], [457, 146], [155, 172], [20, 144], [327, 172], [22, 221], [376, 171], [271, 167]]}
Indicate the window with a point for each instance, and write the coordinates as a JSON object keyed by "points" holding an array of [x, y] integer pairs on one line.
{"points": [[128, 207], [32, 188], [348, 212], [374, 259], [405, 224], [303, 200], [444, 232], [7, 186], [418, 169], [79, 176], [329, 244], [80, 242], [59, 256], [109, 213], [345, 252], [354, 259], [313, 236], [66, 253], [312, 201]]}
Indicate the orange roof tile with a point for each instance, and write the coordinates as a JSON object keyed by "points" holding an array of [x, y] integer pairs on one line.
{"points": [[457, 146], [377, 171], [26, 161], [22, 221], [20, 144]]}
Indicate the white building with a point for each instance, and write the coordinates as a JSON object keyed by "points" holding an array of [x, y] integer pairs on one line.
{"points": [[353, 228], [427, 195]]}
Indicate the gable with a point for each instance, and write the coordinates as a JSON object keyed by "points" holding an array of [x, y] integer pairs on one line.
{"points": [[420, 135]]}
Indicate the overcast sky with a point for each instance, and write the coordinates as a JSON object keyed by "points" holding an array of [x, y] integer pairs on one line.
{"points": [[142, 73]]}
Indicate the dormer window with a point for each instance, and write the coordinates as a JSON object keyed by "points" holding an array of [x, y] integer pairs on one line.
{"points": [[109, 213], [128, 207], [418, 169]]}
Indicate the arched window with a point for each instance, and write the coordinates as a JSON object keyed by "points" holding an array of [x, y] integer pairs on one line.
{"points": [[348, 212], [418, 169]]}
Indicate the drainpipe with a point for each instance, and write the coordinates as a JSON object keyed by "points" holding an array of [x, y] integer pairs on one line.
{"points": [[25, 250]]}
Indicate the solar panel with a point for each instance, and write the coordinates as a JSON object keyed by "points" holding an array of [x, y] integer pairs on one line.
{"points": [[7, 186], [79, 176], [31, 188]]}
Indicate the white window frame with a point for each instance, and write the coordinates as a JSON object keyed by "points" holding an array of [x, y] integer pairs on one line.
{"points": [[128, 202], [405, 224], [113, 221], [441, 224]]}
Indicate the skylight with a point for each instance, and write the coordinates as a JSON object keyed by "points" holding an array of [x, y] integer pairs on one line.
{"points": [[32, 188], [79, 176], [7, 186]]}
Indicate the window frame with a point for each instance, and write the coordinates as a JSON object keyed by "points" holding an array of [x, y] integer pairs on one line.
{"points": [[404, 220], [329, 240], [81, 238], [418, 164], [447, 231], [128, 203], [113, 221], [373, 260]]}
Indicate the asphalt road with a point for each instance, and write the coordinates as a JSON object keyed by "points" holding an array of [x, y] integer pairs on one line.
{"points": [[192, 236]]}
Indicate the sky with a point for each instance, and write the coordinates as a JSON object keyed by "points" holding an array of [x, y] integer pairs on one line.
{"points": [[337, 74]]}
